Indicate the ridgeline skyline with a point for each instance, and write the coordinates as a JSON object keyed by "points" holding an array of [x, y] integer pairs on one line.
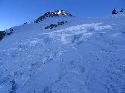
{"points": [[16, 12]]}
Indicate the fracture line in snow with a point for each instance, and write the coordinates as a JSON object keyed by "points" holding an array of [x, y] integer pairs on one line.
{"points": [[78, 33]]}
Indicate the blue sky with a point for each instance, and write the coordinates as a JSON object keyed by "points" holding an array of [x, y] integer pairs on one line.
{"points": [[16, 12]]}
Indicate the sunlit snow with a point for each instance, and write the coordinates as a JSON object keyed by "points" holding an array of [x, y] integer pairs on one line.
{"points": [[86, 55]]}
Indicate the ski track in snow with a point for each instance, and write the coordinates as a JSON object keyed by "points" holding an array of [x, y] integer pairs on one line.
{"points": [[87, 58]]}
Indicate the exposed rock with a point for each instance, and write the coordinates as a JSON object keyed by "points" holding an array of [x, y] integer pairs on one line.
{"points": [[51, 26], [2, 34], [9, 33], [56, 13]]}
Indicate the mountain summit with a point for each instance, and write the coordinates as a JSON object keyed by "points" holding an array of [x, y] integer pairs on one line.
{"points": [[51, 14]]}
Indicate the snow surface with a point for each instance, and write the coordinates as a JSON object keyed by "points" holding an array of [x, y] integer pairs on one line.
{"points": [[87, 55]]}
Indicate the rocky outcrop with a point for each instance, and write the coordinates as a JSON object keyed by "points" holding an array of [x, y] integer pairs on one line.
{"points": [[2, 34], [51, 26], [51, 14]]}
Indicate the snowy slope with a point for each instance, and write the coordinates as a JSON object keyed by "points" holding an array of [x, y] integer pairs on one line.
{"points": [[86, 55]]}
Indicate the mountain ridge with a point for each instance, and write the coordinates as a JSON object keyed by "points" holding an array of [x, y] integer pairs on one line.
{"points": [[51, 14]]}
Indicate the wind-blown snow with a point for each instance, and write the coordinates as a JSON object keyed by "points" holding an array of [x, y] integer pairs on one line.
{"points": [[78, 33], [84, 57]]}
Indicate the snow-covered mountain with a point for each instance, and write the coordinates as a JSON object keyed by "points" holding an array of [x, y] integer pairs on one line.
{"points": [[82, 55], [51, 14]]}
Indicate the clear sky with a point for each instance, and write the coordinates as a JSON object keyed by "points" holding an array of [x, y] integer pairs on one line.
{"points": [[16, 12]]}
